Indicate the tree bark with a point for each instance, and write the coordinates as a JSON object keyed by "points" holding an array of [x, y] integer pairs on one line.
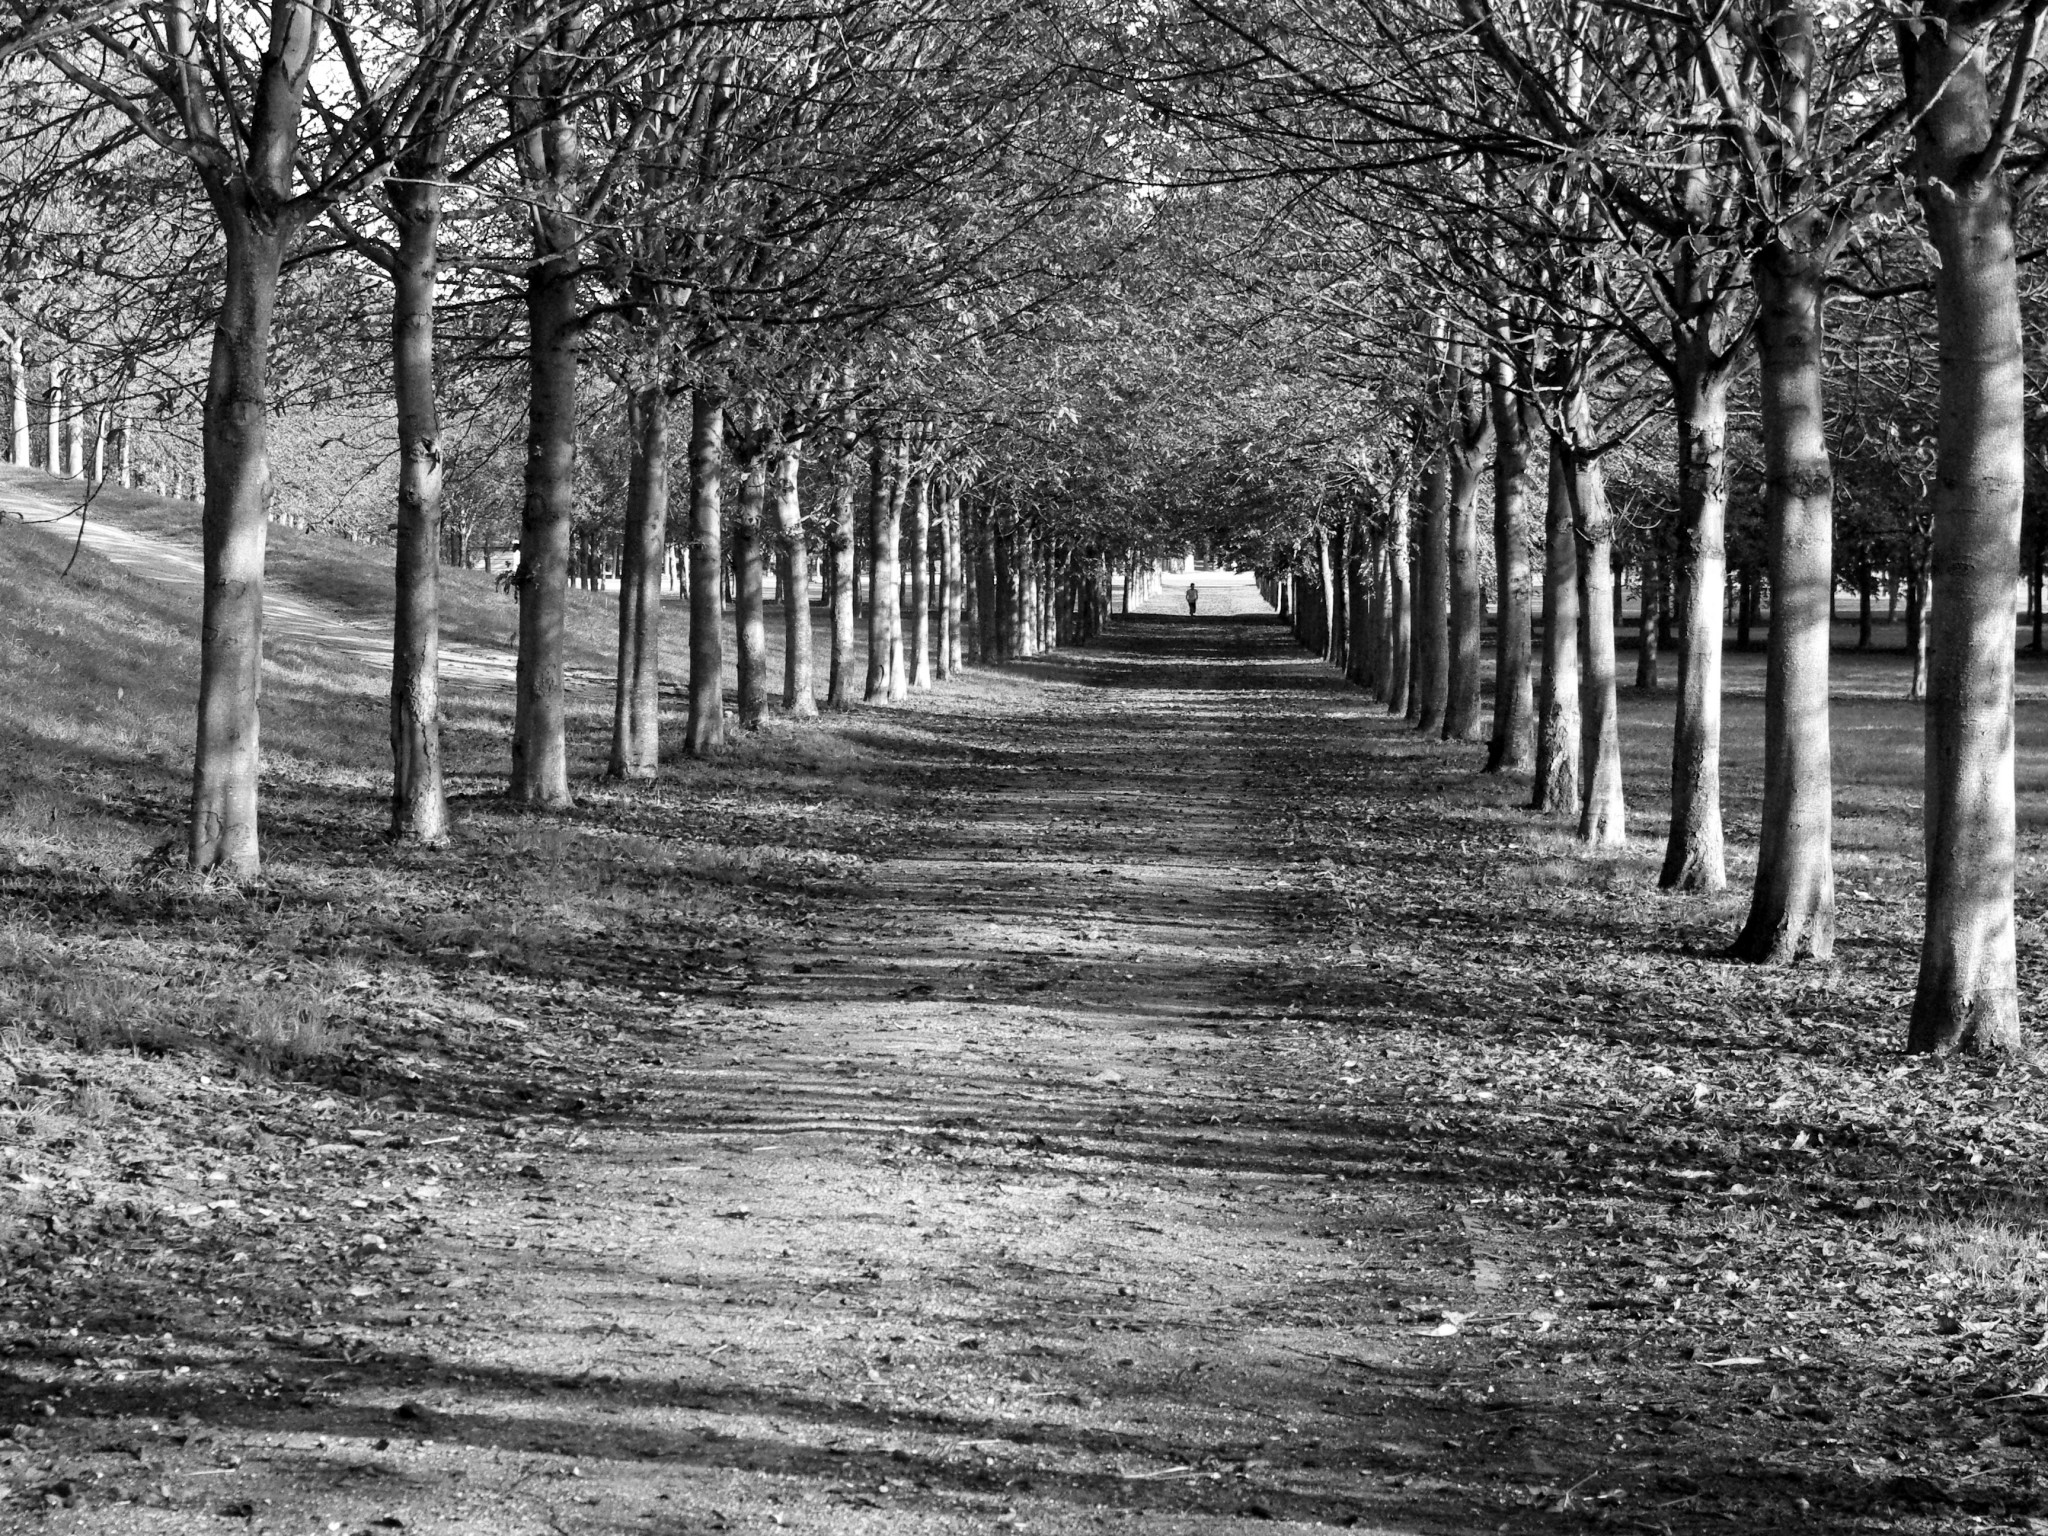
{"points": [[1009, 587], [1378, 637], [419, 810], [1400, 605], [1792, 907], [918, 622], [1467, 616], [987, 573], [750, 626], [1512, 745], [1916, 633], [1555, 786], [1358, 647], [53, 422], [17, 372], [839, 555], [952, 654], [1027, 590], [1603, 820], [704, 731], [1649, 622], [1471, 436], [1044, 636], [1695, 857], [540, 759], [889, 585], [636, 713], [236, 445], [1967, 998], [1330, 621], [74, 434], [1432, 599], [877, 685], [799, 695]]}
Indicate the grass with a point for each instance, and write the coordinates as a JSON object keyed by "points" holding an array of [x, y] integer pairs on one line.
{"points": [[2001, 1260], [120, 979], [354, 579]]}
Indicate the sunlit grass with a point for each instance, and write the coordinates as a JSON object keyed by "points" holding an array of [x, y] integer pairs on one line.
{"points": [[1995, 1258]]}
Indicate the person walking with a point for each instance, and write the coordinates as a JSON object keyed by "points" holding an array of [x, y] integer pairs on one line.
{"points": [[1194, 594]]}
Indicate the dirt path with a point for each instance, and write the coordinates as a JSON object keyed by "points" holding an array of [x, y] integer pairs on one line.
{"points": [[973, 1212], [976, 1209]]}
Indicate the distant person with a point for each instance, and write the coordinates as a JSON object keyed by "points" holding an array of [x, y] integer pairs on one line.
{"points": [[1194, 596]]}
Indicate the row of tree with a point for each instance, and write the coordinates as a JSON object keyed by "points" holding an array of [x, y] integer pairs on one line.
{"points": [[1596, 189], [1249, 272]]}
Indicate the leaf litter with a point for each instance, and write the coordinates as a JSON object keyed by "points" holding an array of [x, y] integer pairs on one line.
{"points": [[908, 1146]]}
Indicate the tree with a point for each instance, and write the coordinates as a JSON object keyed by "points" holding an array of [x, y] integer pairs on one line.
{"points": [[1964, 125], [240, 127]]}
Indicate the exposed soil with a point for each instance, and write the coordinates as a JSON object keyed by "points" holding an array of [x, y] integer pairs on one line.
{"points": [[1144, 1090]]}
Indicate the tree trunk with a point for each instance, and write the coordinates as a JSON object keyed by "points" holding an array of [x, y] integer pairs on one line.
{"points": [[1009, 585], [1695, 856], [74, 435], [1555, 787], [704, 731], [53, 429], [967, 525], [1358, 646], [988, 648], [1340, 595], [227, 757], [1326, 596], [945, 587], [636, 712], [1866, 594], [1044, 636], [840, 564], [952, 653], [1968, 994], [1792, 909], [877, 685], [1648, 621], [1400, 602], [17, 372], [1603, 821], [1512, 746], [1467, 614], [750, 625], [1432, 600], [799, 695], [419, 810], [1027, 591], [1378, 597], [540, 757], [918, 552], [1916, 637], [889, 589]]}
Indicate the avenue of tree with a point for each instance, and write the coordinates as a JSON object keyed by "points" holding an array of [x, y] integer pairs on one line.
{"points": [[982, 317]]}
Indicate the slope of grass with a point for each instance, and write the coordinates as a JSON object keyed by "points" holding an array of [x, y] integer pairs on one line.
{"points": [[354, 579]]}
